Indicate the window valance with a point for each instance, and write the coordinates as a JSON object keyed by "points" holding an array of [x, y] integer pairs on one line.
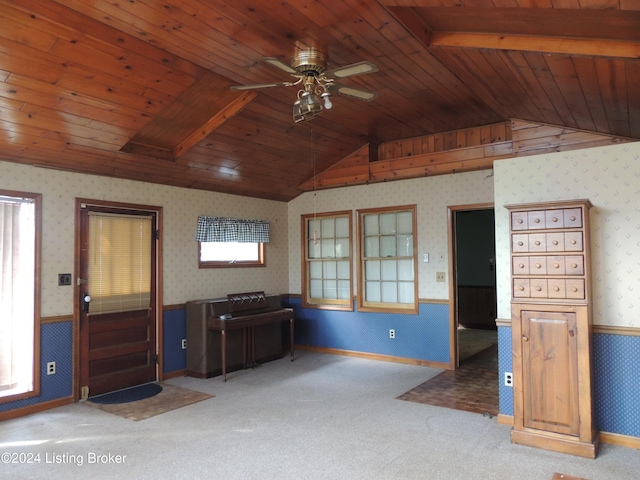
{"points": [[219, 229]]}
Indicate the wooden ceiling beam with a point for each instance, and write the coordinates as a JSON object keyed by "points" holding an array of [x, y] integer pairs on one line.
{"points": [[189, 119], [561, 45], [235, 106]]}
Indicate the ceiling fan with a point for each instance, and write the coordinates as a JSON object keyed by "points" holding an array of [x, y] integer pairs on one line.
{"points": [[309, 67]]}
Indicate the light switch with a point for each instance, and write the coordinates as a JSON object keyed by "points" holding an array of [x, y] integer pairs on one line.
{"points": [[425, 258]]}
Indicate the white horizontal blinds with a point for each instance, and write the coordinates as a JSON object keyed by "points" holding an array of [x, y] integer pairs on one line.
{"points": [[388, 257], [119, 262], [17, 297]]}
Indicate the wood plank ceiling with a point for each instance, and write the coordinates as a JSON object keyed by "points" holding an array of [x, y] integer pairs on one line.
{"points": [[139, 89]]}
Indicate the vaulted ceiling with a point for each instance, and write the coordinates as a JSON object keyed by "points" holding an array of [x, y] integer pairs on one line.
{"points": [[140, 89]]}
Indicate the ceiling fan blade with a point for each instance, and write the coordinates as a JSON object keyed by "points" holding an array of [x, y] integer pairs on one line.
{"points": [[276, 62], [353, 92], [360, 68], [261, 85]]}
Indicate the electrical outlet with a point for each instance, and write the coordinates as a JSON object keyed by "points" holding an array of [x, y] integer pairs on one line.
{"points": [[440, 277], [51, 368], [184, 343], [64, 279], [508, 379], [392, 333]]}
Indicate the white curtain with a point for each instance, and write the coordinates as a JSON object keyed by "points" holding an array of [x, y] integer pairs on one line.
{"points": [[17, 283]]}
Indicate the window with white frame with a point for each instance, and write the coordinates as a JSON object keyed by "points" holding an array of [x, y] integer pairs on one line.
{"points": [[387, 264], [20, 221], [327, 261]]}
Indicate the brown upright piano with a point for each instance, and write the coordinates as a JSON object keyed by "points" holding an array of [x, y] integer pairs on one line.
{"points": [[240, 331]]}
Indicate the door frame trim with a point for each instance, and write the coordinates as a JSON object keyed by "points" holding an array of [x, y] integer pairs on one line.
{"points": [[79, 202], [451, 234]]}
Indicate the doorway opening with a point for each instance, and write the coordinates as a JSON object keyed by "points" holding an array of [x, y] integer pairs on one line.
{"points": [[472, 307], [475, 283]]}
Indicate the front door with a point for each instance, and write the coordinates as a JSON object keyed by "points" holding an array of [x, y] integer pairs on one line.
{"points": [[117, 298]]}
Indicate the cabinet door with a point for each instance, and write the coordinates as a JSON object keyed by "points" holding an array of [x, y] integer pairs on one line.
{"points": [[550, 371]]}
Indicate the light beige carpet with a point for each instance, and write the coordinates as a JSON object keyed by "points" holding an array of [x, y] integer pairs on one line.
{"points": [[170, 398]]}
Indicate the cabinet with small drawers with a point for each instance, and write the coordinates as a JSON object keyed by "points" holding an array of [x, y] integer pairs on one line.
{"points": [[551, 327], [548, 252]]}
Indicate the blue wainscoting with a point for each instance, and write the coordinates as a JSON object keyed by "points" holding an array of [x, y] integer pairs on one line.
{"points": [[424, 336], [616, 381], [174, 325], [616, 364], [56, 345], [505, 364]]}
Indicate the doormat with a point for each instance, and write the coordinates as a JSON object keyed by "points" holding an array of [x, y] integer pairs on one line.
{"points": [[126, 395], [170, 398], [473, 387]]}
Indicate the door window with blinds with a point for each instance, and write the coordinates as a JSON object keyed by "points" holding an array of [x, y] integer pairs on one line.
{"points": [[327, 261], [20, 240], [387, 267], [119, 262]]}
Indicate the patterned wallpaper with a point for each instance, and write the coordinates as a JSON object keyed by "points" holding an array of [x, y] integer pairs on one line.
{"points": [[183, 280], [432, 195], [610, 178]]}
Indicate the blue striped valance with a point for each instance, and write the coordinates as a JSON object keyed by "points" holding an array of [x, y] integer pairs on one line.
{"points": [[219, 229]]}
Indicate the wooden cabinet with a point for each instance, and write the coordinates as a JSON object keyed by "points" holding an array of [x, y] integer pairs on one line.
{"points": [[551, 327]]}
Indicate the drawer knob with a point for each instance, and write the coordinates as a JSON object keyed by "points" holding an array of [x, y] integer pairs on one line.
{"points": [[520, 244], [574, 289], [574, 265], [525, 338], [556, 289], [520, 220], [537, 220], [539, 289], [572, 218], [555, 242], [554, 219], [573, 242], [538, 265], [521, 265], [555, 265], [538, 242], [521, 289]]}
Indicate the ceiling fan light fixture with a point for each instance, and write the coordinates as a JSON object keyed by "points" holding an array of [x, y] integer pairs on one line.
{"points": [[309, 67], [310, 105], [326, 96], [297, 115]]}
